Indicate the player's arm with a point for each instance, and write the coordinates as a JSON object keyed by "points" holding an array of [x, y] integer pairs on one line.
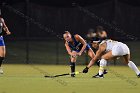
{"points": [[98, 55], [5, 28], [68, 48], [80, 39]]}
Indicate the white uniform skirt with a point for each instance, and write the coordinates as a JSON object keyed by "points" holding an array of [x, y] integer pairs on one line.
{"points": [[120, 49]]}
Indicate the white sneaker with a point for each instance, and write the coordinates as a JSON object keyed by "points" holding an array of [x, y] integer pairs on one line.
{"points": [[1, 71]]}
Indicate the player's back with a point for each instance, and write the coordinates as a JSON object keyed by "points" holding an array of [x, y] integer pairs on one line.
{"points": [[109, 44]]}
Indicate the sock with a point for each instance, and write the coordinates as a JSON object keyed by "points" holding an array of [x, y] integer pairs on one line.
{"points": [[72, 65], [98, 63], [133, 67], [1, 60], [103, 63]]}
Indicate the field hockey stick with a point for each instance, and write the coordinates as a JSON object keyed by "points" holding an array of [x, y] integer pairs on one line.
{"points": [[77, 72]]}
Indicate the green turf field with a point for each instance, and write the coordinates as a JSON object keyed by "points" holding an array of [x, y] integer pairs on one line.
{"points": [[29, 79]]}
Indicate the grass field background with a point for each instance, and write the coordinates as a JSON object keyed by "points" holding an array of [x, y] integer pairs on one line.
{"points": [[28, 78]]}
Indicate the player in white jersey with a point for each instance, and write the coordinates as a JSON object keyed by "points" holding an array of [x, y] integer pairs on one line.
{"points": [[107, 50]]}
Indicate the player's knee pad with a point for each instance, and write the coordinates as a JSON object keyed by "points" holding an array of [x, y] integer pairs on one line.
{"points": [[103, 62]]}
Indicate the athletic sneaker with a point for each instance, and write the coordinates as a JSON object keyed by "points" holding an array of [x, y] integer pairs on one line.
{"points": [[1, 71], [105, 71], [138, 75], [98, 76], [72, 75]]}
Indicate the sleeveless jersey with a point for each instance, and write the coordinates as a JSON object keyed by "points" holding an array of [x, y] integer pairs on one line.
{"points": [[77, 46]]}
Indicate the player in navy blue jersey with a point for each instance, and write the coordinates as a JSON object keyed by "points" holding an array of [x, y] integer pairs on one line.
{"points": [[3, 31], [75, 46]]}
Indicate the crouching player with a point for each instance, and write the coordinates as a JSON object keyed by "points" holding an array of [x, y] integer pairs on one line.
{"points": [[75, 46], [109, 49]]}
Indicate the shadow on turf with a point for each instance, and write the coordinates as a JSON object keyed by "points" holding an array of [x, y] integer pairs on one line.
{"points": [[122, 77], [60, 81]]}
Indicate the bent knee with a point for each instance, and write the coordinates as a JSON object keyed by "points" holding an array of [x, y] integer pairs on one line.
{"points": [[73, 59]]}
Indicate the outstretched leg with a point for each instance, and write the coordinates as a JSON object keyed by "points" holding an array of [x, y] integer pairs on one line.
{"points": [[131, 64], [103, 63]]}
